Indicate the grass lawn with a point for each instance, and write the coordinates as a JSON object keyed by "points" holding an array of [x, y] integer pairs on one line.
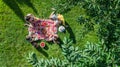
{"points": [[14, 47]]}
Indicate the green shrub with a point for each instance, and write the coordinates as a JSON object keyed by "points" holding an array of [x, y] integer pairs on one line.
{"points": [[105, 13], [94, 55]]}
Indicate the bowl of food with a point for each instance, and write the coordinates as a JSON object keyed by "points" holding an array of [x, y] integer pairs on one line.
{"points": [[42, 44]]}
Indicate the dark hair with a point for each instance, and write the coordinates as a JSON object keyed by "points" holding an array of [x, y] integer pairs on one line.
{"points": [[27, 18]]}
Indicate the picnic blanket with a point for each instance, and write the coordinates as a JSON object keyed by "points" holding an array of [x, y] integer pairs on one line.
{"points": [[44, 29]]}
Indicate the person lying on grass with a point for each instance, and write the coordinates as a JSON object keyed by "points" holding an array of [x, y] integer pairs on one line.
{"points": [[57, 18], [39, 29]]}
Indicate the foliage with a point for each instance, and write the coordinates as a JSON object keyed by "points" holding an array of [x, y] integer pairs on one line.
{"points": [[53, 62], [32, 59], [71, 53], [64, 6], [94, 55], [72, 56], [106, 14], [87, 23]]}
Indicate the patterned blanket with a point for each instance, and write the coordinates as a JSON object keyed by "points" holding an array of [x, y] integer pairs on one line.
{"points": [[43, 29]]}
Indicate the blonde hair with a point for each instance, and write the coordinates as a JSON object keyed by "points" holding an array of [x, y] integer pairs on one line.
{"points": [[61, 18]]}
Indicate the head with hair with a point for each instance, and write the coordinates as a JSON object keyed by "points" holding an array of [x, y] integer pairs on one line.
{"points": [[29, 18]]}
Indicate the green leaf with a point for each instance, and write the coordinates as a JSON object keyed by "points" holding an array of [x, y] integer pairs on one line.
{"points": [[76, 49], [65, 40]]}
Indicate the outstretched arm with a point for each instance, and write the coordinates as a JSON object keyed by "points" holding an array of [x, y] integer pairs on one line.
{"points": [[52, 14], [29, 25]]}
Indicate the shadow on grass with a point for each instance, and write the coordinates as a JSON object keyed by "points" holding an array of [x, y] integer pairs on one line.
{"points": [[28, 3], [14, 6], [69, 29], [35, 44], [60, 42]]}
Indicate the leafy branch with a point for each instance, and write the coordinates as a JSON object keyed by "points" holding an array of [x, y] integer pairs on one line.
{"points": [[94, 55]]}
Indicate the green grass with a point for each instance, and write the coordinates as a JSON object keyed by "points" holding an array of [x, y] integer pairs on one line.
{"points": [[14, 47]]}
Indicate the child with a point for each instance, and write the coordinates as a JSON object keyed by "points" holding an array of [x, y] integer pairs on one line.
{"points": [[58, 18], [29, 18], [34, 24]]}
